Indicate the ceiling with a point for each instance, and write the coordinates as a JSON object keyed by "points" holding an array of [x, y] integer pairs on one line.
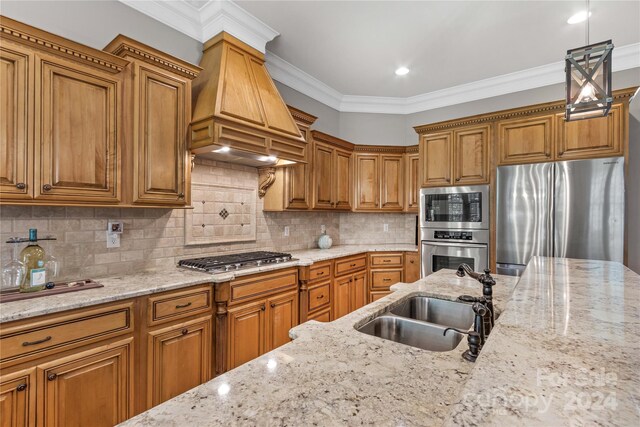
{"points": [[355, 46], [344, 53]]}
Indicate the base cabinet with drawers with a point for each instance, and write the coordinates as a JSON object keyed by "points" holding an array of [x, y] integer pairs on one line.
{"points": [[385, 269], [315, 292], [349, 285]]}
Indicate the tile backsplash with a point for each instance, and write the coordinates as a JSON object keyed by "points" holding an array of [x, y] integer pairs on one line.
{"points": [[155, 238]]}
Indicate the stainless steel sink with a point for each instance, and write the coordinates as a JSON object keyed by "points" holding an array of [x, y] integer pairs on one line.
{"points": [[447, 313], [411, 332]]}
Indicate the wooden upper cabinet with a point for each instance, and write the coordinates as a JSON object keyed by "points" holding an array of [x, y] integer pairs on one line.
{"points": [[179, 358], [157, 113], [18, 399], [596, 137], [391, 182], [16, 102], [94, 387], [471, 155], [527, 140], [323, 178], [77, 140], [282, 315], [412, 182], [332, 172], [367, 181], [435, 159]]}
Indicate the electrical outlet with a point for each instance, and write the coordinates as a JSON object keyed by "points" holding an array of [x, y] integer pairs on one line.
{"points": [[113, 240], [323, 229], [286, 231], [386, 227]]}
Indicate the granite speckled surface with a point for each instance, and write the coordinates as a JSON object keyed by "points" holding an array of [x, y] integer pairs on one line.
{"points": [[332, 374], [145, 283]]}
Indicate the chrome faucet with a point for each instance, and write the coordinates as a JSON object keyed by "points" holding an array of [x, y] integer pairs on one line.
{"points": [[488, 283]]}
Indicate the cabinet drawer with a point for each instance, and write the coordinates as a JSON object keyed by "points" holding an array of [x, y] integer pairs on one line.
{"points": [[321, 316], [176, 305], [263, 284], [319, 296], [348, 265], [35, 339], [385, 260], [376, 295], [382, 279], [319, 272]]}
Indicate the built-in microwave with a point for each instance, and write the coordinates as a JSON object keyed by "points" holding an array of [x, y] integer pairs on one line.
{"points": [[455, 207]]}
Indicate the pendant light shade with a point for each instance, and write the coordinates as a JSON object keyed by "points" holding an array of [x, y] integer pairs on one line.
{"points": [[588, 81]]}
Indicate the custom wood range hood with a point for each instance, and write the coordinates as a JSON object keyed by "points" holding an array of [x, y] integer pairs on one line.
{"points": [[239, 115]]}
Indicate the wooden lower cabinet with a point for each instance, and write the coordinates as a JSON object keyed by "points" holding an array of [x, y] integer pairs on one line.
{"points": [[349, 293], [321, 316], [94, 387], [411, 267], [18, 399], [179, 358], [260, 326]]}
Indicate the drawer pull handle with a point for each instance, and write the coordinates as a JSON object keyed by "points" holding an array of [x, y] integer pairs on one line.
{"points": [[21, 186], [353, 265], [185, 331], [386, 280], [386, 260], [320, 297], [21, 387], [28, 343], [183, 305], [320, 273], [52, 376]]}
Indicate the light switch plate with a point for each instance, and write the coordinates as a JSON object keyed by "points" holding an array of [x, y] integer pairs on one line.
{"points": [[386, 228], [113, 240]]}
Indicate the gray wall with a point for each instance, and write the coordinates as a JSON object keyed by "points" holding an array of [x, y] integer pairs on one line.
{"points": [[328, 118], [633, 189], [96, 23], [372, 129]]}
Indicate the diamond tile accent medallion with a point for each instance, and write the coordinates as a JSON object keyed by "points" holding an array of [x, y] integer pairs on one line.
{"points": [[224, 213]]}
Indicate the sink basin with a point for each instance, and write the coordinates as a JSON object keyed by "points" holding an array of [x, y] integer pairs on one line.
{"points": [[412, 332], [447, 313]]}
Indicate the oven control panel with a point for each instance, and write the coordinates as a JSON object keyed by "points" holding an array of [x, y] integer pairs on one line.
{"points": [[455, 235]]}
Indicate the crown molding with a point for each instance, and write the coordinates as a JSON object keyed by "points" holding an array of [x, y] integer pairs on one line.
{"points": [[209, 20], [624, 58]]}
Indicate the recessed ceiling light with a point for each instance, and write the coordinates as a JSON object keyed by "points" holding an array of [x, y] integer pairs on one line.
{"points": [[402, 71], [578, 17]]}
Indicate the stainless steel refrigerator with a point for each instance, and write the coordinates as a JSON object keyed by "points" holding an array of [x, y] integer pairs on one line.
{"points": [[571, 209]]}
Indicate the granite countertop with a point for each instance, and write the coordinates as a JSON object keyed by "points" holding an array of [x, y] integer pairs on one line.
{"points": [[565, 351], [149, 282], [331, 374]]}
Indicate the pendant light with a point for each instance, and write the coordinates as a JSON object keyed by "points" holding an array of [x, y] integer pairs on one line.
{"points": [[588, 79]]}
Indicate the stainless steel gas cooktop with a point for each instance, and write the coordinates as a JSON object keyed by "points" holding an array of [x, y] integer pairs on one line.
{"points": [[232, 262]]}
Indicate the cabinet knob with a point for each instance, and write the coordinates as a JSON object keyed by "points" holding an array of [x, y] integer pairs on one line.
{"points": [[185, 331], [273, 305], [21, 387], [320, 297], [263, 308], [52, 376], [181, 196], [458, 179], [47, 187], [21, 186], [412, 261]]}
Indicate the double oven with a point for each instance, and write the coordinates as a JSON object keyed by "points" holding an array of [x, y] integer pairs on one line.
{"points": [[454, 228]]}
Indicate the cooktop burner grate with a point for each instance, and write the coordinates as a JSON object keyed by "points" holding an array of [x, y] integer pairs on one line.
{"points": [[231, 262]]}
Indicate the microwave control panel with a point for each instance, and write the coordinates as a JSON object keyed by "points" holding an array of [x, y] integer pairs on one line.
{"points": [[455, 235]]}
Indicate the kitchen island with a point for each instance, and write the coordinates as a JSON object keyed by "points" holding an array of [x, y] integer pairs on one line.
{"points": [[568, 327]]}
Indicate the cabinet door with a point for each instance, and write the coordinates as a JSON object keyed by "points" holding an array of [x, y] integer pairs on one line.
{"points": [[359, 290], [16, 101], [323, 177], [435, 157], [297, 186], [525, 140], [597, 137], [247, 333], [160, 137], [411, 267], [77, 146], [282, 315], [367, 182], [179, 359], [18, 399], [471, 155], [92, 388], [391, 188], [341, 296], [343, 180], [412, 183]]}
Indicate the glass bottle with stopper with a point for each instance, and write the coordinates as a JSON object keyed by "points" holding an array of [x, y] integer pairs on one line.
{"points": [[34, 262]]}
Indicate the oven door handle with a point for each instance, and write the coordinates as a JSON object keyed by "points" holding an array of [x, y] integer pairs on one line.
{"points": [[450, 245]]}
